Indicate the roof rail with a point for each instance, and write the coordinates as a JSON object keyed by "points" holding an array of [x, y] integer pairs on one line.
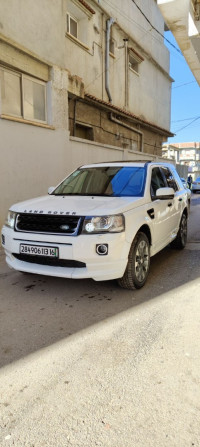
{"points": [[120, 161]]}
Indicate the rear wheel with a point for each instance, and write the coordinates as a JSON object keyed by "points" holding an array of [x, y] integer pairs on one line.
{"points": [[138, 264], [181, 238]]}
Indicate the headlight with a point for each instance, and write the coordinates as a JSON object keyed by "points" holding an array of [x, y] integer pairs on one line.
{"points": [[10, 221], [104, 224]]}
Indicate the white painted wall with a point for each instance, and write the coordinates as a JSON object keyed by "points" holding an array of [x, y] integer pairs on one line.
{"points": [[36, 158]]}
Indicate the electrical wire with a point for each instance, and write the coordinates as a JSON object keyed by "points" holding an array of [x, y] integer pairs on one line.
{"points": [[187, 125], [143, 29], [155, 29], [185, 119], [181, 85]]}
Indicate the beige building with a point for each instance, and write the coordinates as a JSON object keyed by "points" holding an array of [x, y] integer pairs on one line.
{"points": [[80, 81]]}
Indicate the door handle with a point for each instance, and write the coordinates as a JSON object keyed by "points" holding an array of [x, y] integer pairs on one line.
{"points": [[169, 204]]}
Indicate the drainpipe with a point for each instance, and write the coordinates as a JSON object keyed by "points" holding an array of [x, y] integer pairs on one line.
{"points": [[126, 71], [115, 120], [74, 127], [109, 23]]}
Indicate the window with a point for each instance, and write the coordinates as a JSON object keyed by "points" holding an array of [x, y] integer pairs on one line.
{"points": [[22, 96], [133, 64], [134, 60], [78, 28], [171, 182], [112, 46], [72, 26], [84, 132], [105, 181], [157, 181]]}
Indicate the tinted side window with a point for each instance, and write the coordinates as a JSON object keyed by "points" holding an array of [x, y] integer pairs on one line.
{"points": [[157, 181], [171, 182]]}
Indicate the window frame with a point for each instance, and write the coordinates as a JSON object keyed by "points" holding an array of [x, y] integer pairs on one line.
{"points": [[22, 76], [69, 17], [17, 74], [137, 60], [153, 189], [87, 128], [36, 81], [131, 65]]}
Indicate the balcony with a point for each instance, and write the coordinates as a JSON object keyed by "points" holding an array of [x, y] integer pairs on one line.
{"points": [[183, 19]]}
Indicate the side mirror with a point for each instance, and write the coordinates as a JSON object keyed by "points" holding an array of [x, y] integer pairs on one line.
{"points": [[165, 193], [50, 189]]}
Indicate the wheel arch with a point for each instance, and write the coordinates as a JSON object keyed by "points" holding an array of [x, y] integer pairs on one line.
{"points": [[186, 212], [146, 230]]}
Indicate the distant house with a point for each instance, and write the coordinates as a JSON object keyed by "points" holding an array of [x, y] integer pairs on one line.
{"points": [[184, 154], [80, 81]]}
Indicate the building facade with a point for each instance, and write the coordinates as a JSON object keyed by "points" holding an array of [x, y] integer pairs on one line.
{"points": [[80, 81], [185, 154]]}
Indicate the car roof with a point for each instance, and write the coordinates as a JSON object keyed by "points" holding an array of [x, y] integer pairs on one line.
{"points": [[138, 163]]}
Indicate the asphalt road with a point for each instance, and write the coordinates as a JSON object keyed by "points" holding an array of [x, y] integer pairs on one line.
{"points": [[90, 364]]}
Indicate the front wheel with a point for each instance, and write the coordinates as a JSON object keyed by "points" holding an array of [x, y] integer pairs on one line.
{"points": [[138, 264], [181, 238]]}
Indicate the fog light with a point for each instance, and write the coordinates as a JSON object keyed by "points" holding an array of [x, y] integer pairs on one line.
{"points": [[102, 249], [3, 239]]}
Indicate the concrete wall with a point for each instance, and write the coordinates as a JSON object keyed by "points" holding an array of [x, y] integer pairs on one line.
{"points": [[51, 155], [37, 25]]}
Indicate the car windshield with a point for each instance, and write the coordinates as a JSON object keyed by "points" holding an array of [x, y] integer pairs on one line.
{"points": [[114, 181]]}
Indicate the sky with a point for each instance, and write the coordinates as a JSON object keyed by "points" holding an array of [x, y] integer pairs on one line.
{"points": [[185, 100]]}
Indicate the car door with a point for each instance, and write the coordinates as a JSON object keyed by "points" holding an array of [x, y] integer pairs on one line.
{"points": [[177, 202], [163, 212]]}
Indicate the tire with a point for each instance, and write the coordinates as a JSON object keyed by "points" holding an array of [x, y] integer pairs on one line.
{"points": [[181, 238], [138, 264]]}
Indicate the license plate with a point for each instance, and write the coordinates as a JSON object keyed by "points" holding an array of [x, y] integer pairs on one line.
{"points": [[39, 250]]}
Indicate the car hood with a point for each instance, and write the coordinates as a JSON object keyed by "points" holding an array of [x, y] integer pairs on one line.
{"points": [[78, 205]]}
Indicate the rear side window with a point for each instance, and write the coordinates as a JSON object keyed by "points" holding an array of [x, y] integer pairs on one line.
{"points": [[170, 180]]}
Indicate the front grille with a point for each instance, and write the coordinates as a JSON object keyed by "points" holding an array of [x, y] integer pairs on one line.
{"points": [[43, 260], [44, 223]]}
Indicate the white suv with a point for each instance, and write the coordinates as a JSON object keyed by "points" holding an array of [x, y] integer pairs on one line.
{"points": [[104, 221]]}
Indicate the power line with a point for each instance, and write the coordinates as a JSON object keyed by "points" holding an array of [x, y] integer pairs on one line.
{"points": [[181, 85], [189, 124], [155, 29], [185, 119]]}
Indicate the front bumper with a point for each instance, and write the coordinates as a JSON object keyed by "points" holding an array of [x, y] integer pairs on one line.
{"points": [[79, 248]]}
